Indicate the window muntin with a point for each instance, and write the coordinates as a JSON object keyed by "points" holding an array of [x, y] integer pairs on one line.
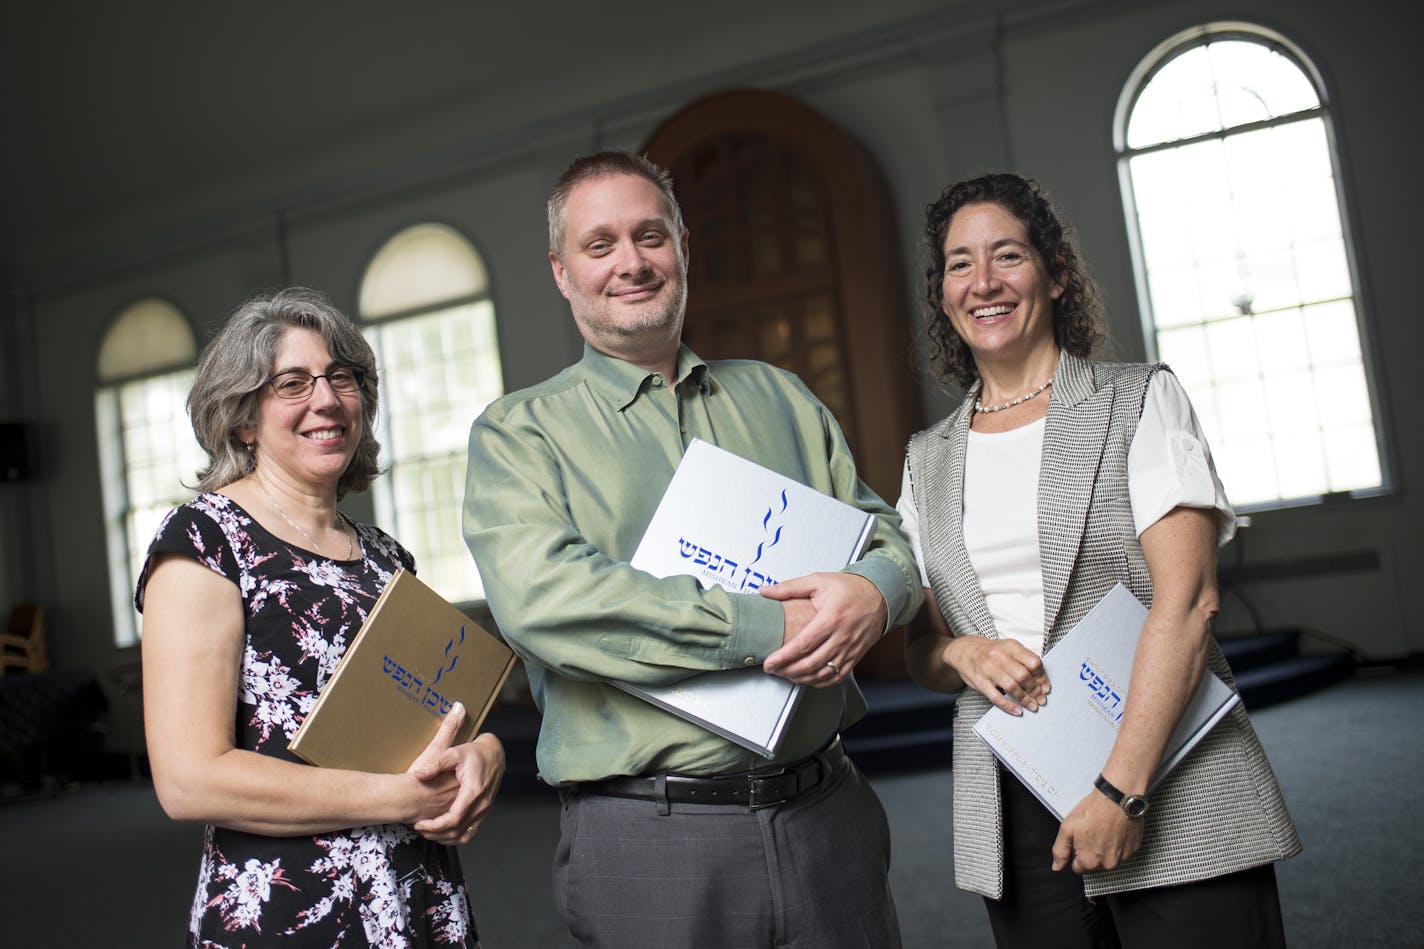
{"points": [[1243, 262]]}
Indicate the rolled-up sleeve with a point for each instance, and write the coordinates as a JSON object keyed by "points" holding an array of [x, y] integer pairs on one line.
{"points": [[1169, 463]]}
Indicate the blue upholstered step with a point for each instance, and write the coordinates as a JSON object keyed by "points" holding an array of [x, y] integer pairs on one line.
{"points": [[1251, 651], [1291, 678]]}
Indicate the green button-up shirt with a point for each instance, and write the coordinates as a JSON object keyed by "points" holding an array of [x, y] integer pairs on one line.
{"points": [[564, 477]]}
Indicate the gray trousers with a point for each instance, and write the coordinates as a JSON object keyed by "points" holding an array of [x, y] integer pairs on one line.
{"points": [[808, 874]]}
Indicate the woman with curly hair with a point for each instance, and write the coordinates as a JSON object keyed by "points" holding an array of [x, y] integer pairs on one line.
{"points": [[1058, 477]]}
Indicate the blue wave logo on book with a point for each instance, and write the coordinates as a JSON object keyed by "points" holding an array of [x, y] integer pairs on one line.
{"points": [[453, 659], [730, 573], [414, 687], [767, 528]]}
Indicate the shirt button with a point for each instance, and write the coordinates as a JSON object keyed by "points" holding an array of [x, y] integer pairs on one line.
{"points": [[749, 661]]}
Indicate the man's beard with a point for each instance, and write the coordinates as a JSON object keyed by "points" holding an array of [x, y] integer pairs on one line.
{"points": [[666, 313]]}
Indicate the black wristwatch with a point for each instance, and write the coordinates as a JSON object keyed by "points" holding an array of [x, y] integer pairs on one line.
{"points": [[1133, 805]]}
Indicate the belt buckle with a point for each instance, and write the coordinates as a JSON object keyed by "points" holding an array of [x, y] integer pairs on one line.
{"points": [[754, 803]]}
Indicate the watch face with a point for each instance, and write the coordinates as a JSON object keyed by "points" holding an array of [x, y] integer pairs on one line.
{"points": [[1134, 806]]}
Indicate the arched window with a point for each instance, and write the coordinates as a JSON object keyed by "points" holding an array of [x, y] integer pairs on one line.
{"points": [[147, 453], [426, 303], [1244, 265]]}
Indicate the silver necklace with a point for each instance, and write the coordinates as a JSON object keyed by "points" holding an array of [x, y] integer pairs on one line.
{"points": [[310, 539], [984, 409]]}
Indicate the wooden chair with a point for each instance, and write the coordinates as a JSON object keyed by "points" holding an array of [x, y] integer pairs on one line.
{"points": [[22, 645]]}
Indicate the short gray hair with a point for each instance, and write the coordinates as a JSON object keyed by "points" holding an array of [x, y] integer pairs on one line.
{"points": [[603, 165], [237, 363]]}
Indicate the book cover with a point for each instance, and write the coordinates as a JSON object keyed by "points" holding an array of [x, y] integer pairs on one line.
{"points": [[414, 657], [1058, 750], [728, 521]]}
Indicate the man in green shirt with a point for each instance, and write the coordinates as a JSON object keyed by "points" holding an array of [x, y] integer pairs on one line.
{"points": [[563, 478]]}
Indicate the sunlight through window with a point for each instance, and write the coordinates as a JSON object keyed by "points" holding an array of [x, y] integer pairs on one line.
{"points": [[1243, 261], [148, 456], [425, 298]]}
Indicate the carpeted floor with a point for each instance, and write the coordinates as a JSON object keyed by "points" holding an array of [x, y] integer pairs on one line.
{"points": [[101, 866]]}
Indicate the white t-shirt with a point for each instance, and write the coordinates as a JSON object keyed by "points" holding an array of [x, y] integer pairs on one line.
{"points": [[1168, 465]]}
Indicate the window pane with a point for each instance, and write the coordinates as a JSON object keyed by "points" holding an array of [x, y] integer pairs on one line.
{"points": [[1160, 204], [1270, 281], [1290, 403], [1280, 342], [1254, 83], [1300, 464], [1185, 351], [1324, 272], [1224, 287], [1247, 468], [1345, 401], [1232, 348], [1177, 103], [1245, 410], [1332, 332], [1176, 295], [1352, 458]]}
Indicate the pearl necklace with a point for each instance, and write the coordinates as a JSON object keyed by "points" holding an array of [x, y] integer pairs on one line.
{"points": [[984, 409], [310, 539]]}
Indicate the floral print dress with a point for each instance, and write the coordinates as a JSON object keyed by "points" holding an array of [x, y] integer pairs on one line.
{"points": [[381, 885]]}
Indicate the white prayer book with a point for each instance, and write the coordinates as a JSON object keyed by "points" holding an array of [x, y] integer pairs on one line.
{"points": [[731, 522], [1058, 750]]}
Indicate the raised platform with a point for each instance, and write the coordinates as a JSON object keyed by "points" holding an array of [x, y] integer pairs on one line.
{"points": [[909, 729]]}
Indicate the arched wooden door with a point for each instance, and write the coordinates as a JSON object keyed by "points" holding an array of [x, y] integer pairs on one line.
{"points": [[795, 261]]}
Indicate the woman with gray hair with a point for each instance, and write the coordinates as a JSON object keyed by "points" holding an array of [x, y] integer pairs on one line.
{"points": [[251, 593]]}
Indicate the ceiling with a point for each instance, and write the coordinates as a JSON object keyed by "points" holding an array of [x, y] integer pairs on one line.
{"points": [[126, 119]]}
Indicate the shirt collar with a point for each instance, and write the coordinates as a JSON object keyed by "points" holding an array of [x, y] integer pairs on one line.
{"points": [[620, 382]]}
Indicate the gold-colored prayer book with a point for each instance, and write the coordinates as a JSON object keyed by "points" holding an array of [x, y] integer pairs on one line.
{"points": [[412, 660]]}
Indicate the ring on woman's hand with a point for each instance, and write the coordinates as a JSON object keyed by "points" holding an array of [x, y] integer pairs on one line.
{"points": [[470, 831], [834, 667]]}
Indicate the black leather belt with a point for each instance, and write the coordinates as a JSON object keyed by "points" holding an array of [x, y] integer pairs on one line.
{"points": [[766, 787]]}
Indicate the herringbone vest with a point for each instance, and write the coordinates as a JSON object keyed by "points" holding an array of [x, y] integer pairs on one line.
{"points": [[1221, 809]]}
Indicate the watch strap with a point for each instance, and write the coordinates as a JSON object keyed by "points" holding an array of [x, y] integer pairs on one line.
{"points": [[1133, 805], [1104, 785]]}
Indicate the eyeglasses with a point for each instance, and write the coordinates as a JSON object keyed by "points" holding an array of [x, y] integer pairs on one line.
{"points": [[298, 383]]}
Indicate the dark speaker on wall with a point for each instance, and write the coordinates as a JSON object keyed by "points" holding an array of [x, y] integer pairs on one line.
{"points": [[17, 455]]}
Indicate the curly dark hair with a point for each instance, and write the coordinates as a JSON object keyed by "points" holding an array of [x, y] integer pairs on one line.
{"points": [[1078, 317]]}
